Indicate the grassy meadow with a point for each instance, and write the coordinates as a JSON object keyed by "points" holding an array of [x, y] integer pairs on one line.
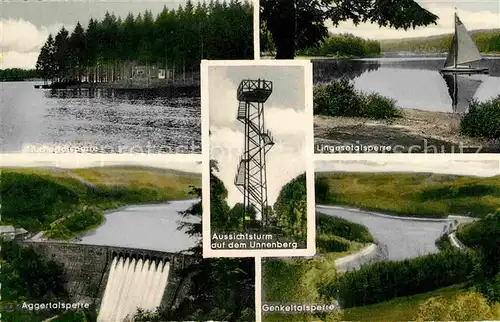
{"points": [[299, 280], [64, 202]]}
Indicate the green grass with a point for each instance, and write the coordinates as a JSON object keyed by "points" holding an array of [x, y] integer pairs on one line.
{"points": [[44, 199], [401, 308], [410, 194], [300, 280]]}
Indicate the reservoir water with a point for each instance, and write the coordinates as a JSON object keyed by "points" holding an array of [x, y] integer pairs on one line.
{"points": [[151, 227], [400, 237], [414, 82], [103, 119]]}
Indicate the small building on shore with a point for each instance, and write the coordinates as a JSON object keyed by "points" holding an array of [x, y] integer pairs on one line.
{"points": [[10, 233]]}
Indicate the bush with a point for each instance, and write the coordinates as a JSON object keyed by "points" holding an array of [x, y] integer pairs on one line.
{"points": [[340, 98], [290, 208], [330, 225], [469, 306], [331, 244], [482, 120], [483, 235], [443, 243], [380, 107], [383, 281]]}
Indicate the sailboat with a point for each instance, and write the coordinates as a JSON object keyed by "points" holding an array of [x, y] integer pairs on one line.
{"points": [[463, 51]]}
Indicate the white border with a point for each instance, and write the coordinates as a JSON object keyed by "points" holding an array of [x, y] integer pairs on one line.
{"points": [[258, 289], [310, 249], [402, 157]]}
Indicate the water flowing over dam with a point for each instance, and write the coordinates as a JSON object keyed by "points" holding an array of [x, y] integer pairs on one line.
{"points": [[132, 284]]}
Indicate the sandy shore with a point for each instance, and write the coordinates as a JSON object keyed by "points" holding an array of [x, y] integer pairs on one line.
{"points": [[417, 131]]}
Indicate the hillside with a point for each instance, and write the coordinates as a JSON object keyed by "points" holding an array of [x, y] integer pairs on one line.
{"points": [[410, 194], [65, 202], [487, 40]]}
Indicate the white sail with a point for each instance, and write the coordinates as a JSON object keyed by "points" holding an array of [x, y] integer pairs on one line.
{"points": [[463, 49]]}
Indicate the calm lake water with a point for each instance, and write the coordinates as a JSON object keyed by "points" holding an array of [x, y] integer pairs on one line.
{"points": [[103, 119], [151, 227], [414, 82], [401, 238]]}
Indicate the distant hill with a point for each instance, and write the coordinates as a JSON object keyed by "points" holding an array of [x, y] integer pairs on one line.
{"points": [[487, 40]]}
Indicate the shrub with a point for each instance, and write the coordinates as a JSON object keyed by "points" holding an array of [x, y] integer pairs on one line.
{"points": [[468, 306], [331, 225], [380, 107], [483, 235], [290, 208], [340, 98], [331, 244], [382, 281], [482, 120], [443, 243]]}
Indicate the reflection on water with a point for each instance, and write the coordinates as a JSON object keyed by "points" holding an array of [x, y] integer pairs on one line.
{"points": [[112, 121], [462, 89], [414, 82]]}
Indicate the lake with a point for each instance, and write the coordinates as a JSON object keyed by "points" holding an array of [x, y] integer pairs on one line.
{"points": [[401, 238], [103, 121], [414, 82], [151, 227]]}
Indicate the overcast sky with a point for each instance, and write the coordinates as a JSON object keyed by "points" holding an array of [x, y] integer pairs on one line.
{"points": [[284, 114], [415, 164], [25, 25], [179, 162]]}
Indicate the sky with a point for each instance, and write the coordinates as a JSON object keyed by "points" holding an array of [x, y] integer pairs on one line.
{"points": [[25, 25], [180, 162], [415, 164], [287, 102]]}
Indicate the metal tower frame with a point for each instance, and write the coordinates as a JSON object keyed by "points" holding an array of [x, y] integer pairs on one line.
{"points": [[251, 176]]}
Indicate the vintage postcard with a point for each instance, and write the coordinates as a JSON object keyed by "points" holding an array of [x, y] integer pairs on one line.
{"points": [[411, 240], [111, 76], [257, 136], [425, 79], [112, 238]]}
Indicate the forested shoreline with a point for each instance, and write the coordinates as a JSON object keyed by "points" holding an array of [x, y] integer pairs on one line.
{"points": [[174, 40], [18, 74], [487, 41]]}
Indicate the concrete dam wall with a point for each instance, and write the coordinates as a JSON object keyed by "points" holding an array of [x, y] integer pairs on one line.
{"points": [[87, 268]]}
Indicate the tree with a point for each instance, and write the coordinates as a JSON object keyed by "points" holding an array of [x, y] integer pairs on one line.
{"points": [[77, 45], [220, 289], [177, 39], [298, 24], [291, 208]]}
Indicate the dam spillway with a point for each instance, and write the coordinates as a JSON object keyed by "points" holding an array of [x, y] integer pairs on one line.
{"points": [[132, 284]]}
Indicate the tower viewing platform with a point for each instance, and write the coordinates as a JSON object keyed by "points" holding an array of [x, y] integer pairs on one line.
{"points": [[257, 91]]}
